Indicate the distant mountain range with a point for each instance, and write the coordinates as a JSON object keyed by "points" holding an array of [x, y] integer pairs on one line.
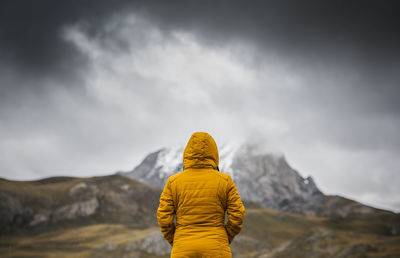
{"points": [[263, 178]]}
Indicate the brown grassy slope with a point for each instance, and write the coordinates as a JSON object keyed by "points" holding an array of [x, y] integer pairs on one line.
{"points": [[265, 233], [85, 241], [289, 235], [65, 201]]}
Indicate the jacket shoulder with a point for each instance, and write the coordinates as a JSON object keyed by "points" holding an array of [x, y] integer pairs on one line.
{"points": [[225, 176], [173, 177]]}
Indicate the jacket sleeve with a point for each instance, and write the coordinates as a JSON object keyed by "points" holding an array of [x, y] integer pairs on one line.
{"points": [[166, 213], [235, 211]]}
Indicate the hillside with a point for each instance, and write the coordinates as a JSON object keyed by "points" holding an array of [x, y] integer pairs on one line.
{"points": [[266, 233], [114, 216], [66, 201]]}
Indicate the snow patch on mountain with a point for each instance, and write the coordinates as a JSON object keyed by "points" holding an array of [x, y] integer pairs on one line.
{"points": [[227, 154], [168, 161]]}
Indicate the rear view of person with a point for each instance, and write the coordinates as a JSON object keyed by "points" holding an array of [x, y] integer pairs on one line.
{"points": [[199, 196]]}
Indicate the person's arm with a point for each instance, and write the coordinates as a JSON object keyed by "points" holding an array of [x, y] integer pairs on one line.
{"points": [[165, 214], [235, 211]]}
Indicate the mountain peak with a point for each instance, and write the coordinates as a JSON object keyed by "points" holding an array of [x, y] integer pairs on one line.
{"points": [[261, 175]]}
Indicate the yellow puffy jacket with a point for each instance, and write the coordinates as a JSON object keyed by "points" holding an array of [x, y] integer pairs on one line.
{"points": [[199, 196]]}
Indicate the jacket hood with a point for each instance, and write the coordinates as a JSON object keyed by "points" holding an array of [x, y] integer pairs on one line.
{"points": [[201, 152]]}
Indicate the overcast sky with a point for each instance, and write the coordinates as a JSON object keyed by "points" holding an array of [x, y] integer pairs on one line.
{"points": [[91, 87]]}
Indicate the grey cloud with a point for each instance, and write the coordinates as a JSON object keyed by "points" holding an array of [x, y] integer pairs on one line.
{"points": [[31, 34], [365, 30], [346, 37], [343, 54]]}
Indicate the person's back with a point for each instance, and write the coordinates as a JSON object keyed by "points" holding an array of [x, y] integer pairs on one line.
{"points": [[199, 197]]}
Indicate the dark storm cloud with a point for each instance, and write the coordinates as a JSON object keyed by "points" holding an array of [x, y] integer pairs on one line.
{"points": [[358, 36], [31, 34], [368, 28], [361, 33], [30, 30]]}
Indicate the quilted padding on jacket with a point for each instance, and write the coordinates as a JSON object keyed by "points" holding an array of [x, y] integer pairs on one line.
{"points": [[197, 198]]}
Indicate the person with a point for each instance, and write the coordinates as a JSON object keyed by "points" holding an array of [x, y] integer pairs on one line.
{"points": [[198, 198]]}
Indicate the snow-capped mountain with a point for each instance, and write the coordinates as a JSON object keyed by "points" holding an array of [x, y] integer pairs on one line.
{"points": [[159, 165], [263, 178]]}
